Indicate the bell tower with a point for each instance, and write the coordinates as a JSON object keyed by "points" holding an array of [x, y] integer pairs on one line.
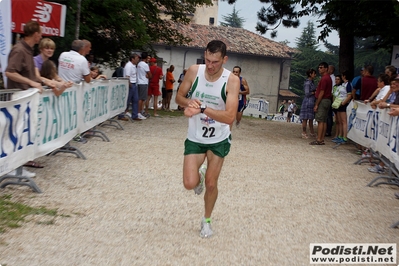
{"points": [[207, 15]]}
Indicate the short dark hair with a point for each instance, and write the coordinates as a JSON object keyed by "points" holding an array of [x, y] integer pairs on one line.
{"points": [[144, 55], [310, 72], [369, 69], [347, 74], [238, 68], [323, 64], [31, 28], [217, 46], [384, 78]]}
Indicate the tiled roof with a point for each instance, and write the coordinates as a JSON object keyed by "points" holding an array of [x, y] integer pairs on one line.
{"points": [[287, 93], [237, 40]]}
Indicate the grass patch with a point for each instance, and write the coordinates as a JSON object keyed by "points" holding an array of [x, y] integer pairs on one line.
{"points": [[165, 113], [13, 214]]}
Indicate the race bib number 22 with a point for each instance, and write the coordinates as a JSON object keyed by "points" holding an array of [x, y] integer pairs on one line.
{"points": [[207, 127]]}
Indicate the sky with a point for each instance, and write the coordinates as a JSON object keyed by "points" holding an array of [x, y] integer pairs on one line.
{"points": [[248, 10]]}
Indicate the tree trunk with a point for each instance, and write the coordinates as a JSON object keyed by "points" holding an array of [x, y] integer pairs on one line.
{"points": [[346, 54], [77, 29]]}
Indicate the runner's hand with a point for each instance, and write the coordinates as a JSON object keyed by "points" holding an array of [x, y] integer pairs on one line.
{"points": [[194, 103], [190, 111]]}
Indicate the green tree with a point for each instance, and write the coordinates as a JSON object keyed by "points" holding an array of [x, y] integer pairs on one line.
{"points": [[356, 18], [307, 38], [233, 19], [118, 27], [366, 54], [308, 56]]}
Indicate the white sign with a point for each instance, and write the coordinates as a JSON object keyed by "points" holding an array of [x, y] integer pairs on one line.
{"points": [[349, 253], [395, 56], [18, 120], [257, 108], [375, 129]]}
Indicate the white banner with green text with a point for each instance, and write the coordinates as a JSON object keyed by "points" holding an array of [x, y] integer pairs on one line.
{"points": [[33, 125]]}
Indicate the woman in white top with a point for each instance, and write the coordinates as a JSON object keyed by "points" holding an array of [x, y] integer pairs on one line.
{"points": [[344, 93]]}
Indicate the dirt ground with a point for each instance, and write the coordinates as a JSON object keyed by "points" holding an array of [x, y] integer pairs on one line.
{"points": [[126, 205]]}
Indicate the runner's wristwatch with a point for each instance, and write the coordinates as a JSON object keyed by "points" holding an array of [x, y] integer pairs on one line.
{"points": [[203, 107]]}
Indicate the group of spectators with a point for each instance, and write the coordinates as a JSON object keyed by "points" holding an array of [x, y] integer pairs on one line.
{"points": [[24, 70], [333, 95], [287, 106], [144, 85], [28, 71]]}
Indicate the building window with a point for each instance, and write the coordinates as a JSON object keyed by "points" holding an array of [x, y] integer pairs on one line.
{"points": [[211, 21]]}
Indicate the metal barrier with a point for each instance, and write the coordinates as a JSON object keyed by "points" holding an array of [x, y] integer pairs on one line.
{"points": [[5, 95]]}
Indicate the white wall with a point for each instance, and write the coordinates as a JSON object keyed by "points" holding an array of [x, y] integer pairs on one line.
{"points": [[261, 73]]}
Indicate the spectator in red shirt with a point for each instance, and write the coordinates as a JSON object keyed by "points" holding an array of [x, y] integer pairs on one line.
{"points": [[369, 83], [153, 87], [323, 103]]}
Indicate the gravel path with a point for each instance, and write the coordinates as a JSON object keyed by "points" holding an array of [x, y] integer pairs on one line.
{"points": [[126, 205]]}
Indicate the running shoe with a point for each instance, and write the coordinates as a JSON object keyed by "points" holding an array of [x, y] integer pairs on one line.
{"points": [[237, 124], [335, 139], [206, 229], [142, 117], [200, 187], [341, 141]]}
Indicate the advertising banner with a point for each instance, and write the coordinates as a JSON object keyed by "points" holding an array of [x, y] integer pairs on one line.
{"points": [[5, 35], [94, 104], [33, 125], [102, 99], [375, 129], [57, 120], [51, 16], [257, 108], [18, 121], [118, 92]]}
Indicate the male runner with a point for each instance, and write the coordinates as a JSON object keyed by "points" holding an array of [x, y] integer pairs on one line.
{"points": [[211, 108], [242, 97]]}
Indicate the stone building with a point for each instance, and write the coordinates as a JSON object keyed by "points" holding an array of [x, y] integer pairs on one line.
{"points": [[265, 64]]}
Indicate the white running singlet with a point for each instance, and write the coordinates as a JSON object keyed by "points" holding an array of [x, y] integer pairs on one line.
{"points": [[201, 128]]}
